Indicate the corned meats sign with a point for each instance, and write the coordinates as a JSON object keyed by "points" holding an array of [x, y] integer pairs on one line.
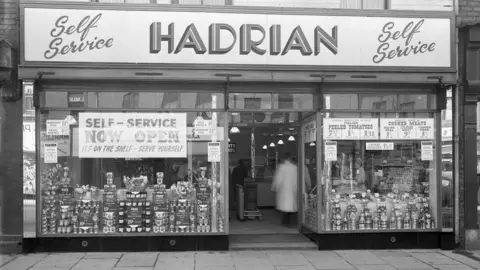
{"points": [[160, 37]]}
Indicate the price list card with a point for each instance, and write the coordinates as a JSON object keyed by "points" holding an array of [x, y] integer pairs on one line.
{"points": [[350, 129], [407, 129]]}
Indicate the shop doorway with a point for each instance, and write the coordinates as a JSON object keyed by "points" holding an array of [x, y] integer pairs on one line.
{"points": [[255, 153]]}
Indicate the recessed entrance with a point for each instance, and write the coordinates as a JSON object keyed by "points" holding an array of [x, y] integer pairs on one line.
{"points": [[256, 151]]}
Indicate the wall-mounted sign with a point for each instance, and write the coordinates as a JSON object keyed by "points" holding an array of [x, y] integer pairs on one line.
{"points": [[76, 100], [379, 146], [132, 135], [407, 129], [163, 37], [350, 129]]}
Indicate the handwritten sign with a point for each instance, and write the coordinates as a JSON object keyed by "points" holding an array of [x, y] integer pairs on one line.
{"points": [[379, 146], [132, 135], [202, 127], [214, 152], [427, 150], [350, 129], [50, 154], [330, 151], [57, 127], [407, 129]]}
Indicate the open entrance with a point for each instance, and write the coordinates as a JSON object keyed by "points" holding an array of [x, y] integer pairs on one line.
{"points": [[257, 153]]}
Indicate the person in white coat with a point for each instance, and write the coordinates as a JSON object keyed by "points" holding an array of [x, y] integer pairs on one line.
{"points": [[285, 185]]}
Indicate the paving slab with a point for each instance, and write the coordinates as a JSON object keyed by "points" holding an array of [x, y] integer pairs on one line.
{"points": [[375, 267], [134, 268], [4, 259], [23, 262], [214, 267], [453, 267], [95, 264], [60, 260], [295, 267], [287, 258], [140, 259], [213, 259], [103, 255], [435, 258], [360, 257]]}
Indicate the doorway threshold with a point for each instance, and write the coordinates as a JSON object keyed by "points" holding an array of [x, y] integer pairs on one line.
{"points": [[271, 242]]}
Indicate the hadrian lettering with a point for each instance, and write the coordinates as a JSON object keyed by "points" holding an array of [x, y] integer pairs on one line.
{"points": [[297, 40]]}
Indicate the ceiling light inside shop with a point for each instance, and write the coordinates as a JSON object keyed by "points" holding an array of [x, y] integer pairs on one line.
{"points": [[234, 130], [265, 146], [272, 145], [312, 144], [280, 142], [291, 139]]}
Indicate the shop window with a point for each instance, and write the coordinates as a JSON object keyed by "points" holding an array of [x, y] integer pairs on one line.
{"points": [[293, 101], [155, 100], [115, 173], [247, 101], [378, 102], [54, 99], [340, 102], [263, 117], [379, 173], [415, 102]]}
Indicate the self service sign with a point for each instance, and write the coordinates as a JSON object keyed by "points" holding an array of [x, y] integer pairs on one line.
{"points": [[163, 37]]}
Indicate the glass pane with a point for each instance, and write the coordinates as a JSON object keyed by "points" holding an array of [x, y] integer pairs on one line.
{"points": [[263, 118], [341, 102], [413, 102], [378, 102], [250, 101], [382, 184], [54, 99], [293, 101], [310, 188], [118, 172], [447, 165], [202, 100]]}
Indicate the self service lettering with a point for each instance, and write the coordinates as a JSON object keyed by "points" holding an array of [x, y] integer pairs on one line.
{"points": [[160, 130]]}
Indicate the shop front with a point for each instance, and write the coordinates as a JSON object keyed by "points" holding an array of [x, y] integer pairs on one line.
{"points": [[141, 117]]}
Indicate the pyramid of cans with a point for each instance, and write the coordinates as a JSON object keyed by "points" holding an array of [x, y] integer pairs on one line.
{"points": [[109, 206], [49, 221], [182, 216], [203, 194], [135, 213], [65, 205], [160, 206], [86, 217]]}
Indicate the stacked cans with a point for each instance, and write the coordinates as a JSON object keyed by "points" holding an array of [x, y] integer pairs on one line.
{"points": [[336, 219], [65, 215], [109, 206], [311, 215], [220, 216], [160, 206], [204, 199], [49, 215], [135, 213], [182, 216], [411, 216], [382, 218], [86, 217]]}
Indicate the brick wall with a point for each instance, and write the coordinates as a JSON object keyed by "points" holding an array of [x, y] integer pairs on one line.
{"points": [[9, 21], [469, 12]]}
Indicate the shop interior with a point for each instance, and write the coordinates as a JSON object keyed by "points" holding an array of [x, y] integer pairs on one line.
{"points": [[258, 150]]}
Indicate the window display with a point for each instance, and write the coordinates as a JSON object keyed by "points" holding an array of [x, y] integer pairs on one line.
{"points": [[380, 173], [123, 173]]}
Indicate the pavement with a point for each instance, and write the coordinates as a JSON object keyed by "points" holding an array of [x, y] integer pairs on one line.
{"points": [[248, 260]]}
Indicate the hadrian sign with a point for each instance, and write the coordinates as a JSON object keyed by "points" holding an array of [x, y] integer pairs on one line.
{"points": [[162, 37]]}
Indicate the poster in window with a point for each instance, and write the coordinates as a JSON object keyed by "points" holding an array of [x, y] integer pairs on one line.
{"points": [[132, 135], [407, 129], [350, 129]]}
